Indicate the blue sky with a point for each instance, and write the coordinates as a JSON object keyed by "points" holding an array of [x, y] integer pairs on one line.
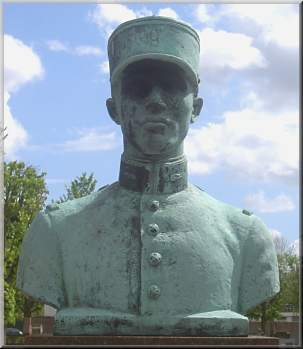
{"points": [[244, 148]]}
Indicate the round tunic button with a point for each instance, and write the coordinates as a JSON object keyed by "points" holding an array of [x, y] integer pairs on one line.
{"points": [[154, 292], [154, 206], [155, 258], [153, 229]]}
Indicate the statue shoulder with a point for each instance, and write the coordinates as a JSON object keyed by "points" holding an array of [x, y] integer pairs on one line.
{"points": [[103, 188], [260, 232], [260, 272], [238, 219], [39, 269], [75, 205], [224, 209], [46, 225]]}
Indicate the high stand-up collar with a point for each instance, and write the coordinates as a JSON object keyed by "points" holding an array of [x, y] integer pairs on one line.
{"points": [[154, 177]]}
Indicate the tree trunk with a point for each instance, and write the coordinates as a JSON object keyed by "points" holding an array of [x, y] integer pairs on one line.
{"points": [[27, 307], [27, 326], [271, 328], [263, 318]]}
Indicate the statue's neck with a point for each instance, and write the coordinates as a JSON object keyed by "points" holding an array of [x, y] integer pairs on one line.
{"points": [[152, 175], [133, 153]]}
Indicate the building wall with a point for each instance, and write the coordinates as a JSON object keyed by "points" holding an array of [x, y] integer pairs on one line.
{"points": [[49, 311], [289, 329]]}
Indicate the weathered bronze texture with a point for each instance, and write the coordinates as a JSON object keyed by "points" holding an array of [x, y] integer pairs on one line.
{"points": [[150, 254]]}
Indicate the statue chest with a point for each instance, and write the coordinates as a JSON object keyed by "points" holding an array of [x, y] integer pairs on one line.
{"points": [[148, 256]]}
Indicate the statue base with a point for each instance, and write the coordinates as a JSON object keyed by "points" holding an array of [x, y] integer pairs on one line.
{"points": [[150, 340], [100, 322]]}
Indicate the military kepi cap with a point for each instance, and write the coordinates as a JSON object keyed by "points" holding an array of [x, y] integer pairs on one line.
{"points": [[154, 37]]}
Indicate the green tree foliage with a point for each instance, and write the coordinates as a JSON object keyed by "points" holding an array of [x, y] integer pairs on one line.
{"points": [[79, 187], [25, 193], [289, 279], [267, 311], [288, 263], [10, 304]]}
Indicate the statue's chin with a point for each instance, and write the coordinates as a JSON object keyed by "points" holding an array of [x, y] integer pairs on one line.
{"points": [[156, 145]]}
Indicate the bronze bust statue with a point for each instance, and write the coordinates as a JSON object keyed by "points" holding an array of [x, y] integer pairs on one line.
{"points": [[150, 254]]}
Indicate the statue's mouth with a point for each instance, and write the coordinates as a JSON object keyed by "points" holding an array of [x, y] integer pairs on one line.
{"points": [[155, 127]]}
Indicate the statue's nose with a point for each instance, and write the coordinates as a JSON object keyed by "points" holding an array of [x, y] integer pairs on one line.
{"points": [[154, 101]]}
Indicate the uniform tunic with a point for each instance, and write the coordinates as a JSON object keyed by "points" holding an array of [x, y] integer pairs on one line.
{"points": [[145, 251]]}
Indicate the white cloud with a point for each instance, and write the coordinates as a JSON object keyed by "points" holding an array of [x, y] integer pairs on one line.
{"points": [[112, 13], [91, 140], [85, 50], [17, 136], [279, 22], [88, 50], [168, 12], [56, 45], [202, 13], [276, 234], [104, 67], [273, 34], [260, 203], [221, 49], [207, 14], [143, 12], [276, 23], [223, 55], [250, 144], [108, 16], [21, 65], [277, 87]]}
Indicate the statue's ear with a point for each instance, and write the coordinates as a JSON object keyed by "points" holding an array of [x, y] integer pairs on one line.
{"points": [[197, 106], [112, 110]]}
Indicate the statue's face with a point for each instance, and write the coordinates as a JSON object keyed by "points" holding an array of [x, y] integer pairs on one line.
{"points": [[156, 107]]}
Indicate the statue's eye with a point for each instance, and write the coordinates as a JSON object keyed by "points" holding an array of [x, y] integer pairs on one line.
{"points": [[137, 88], [172, 84]]}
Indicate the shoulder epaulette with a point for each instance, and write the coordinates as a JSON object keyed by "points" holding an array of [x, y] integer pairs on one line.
{"points": [[199, 187], [104, 186], [248, 213], [52, 207]]}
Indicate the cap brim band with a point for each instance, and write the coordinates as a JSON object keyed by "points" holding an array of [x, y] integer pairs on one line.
{"points": [[115, 75]]}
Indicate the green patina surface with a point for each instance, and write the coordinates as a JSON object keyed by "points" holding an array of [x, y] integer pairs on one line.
{"points": [[150, 254]]}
